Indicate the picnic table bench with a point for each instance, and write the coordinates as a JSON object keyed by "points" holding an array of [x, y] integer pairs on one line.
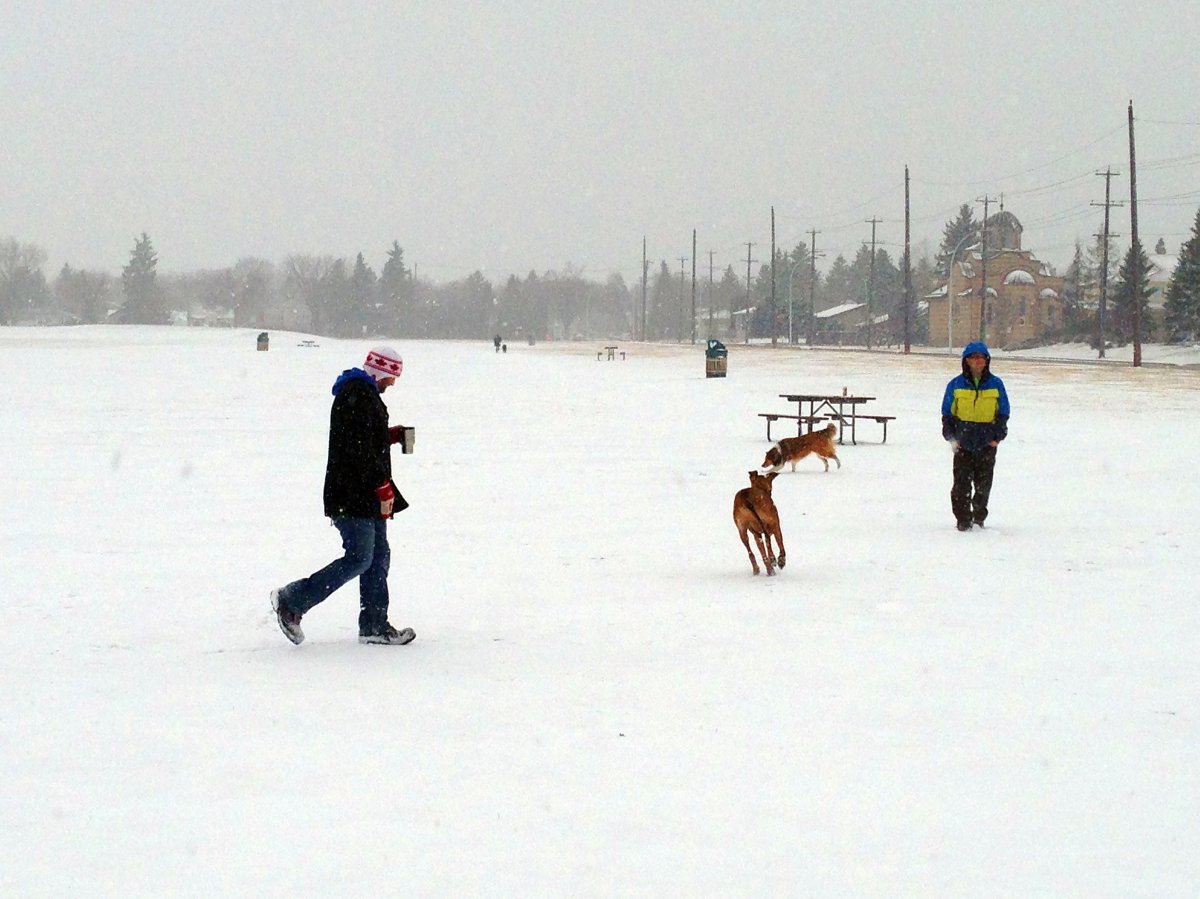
{"points": [[835, 408], [853, 418], [801, 421], [612, 353]]}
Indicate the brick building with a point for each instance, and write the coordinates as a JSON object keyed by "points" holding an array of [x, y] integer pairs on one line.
{"points": [[1024, 295]]}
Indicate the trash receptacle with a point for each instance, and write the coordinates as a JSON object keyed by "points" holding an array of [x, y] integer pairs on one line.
{"points": [[264, 342], [716, 359]]}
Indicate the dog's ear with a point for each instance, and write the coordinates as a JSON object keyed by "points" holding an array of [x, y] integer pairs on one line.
{"points": [[772, 476], [752, 475]]}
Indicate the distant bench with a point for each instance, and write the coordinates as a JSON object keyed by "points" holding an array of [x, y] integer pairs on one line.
{"points": [[801, 421], [612, 353], [853, 419]]}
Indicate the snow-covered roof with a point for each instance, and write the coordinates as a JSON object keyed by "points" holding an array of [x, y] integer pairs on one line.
{"points": [[991, 292], [1162, 266], [940, 292], [1048, 293], [1019, 276], [967, 269], [838, 310]]}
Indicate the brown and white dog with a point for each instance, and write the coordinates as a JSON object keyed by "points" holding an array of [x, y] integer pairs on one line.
{"points": [[793, 449], [754, 512]]}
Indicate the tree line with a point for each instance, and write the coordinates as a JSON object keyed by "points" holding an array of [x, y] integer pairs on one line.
{"points": [[335, 297]]}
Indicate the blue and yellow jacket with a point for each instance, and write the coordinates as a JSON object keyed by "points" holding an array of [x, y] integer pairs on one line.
{"points": [[975, 413]]}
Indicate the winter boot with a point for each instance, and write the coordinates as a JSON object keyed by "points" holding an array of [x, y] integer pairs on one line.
{"points": [[289, 621], [389, 636]]}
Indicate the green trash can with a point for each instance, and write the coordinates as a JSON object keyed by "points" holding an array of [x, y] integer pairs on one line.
{"points": [[716, 359]]}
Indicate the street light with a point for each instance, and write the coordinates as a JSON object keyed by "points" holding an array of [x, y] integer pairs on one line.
{"points": [[791, 271], [950, 295]]}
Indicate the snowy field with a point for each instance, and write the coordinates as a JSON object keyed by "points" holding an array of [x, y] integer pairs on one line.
{"points": [[601, 700]]}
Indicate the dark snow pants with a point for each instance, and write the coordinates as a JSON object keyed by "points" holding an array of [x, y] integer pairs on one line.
{"points": [[972, 484]]}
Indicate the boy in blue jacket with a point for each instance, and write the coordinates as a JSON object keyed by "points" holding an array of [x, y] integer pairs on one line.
{"points": [[974, 421]]}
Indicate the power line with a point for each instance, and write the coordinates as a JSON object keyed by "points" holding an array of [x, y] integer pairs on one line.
{"points": [[1035, 168]]}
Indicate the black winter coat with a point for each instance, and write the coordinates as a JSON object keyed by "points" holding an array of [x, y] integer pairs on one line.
{"points": [[360, 458]]}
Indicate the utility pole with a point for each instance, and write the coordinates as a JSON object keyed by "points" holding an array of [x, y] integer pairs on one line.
{"points": [[748, 261], [907, 271], [1104, 236], [693, 286], [985, 200], [644, 264], [871, 284], [711, 297], [812, 286], [1136, 246], [682, 260], [774, 328]]}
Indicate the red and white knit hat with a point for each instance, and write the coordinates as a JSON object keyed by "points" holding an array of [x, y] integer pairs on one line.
{"points": [[383, 362]]}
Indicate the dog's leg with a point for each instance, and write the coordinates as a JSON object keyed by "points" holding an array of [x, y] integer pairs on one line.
{"points": [[768, 559], [782, 551], [826, 461], [749, 551], [835, 459]]}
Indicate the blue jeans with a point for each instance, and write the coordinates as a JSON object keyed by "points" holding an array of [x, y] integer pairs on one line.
{"points": [[367, 557]]}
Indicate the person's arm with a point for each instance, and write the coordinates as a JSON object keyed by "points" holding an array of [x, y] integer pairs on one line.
{"points": [[949, 430], [1000, 425]]}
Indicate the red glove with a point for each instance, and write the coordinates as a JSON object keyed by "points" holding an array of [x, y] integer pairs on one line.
{"points": [[394, 434], [385, 493]]}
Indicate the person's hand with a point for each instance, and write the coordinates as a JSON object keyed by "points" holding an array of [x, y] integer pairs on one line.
{"points": [[387, 496], [994, 443]]}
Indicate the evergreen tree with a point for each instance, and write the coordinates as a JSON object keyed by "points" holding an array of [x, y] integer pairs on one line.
{"points": [[362, 316], [396, 293], [1182, 304], [1073, 283], [1092, 262], [730, 297], [664, 296], [1132, 293], [961, 232], [139, 279]]}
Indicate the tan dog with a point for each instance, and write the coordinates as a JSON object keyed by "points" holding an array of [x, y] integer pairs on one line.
{"points": [[754, 511], [793, 449]]}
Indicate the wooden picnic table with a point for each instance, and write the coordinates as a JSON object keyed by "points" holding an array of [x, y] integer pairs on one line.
{"points": [[835, 408]]}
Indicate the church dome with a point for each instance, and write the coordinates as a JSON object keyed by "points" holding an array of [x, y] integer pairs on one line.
{"points": [[1019, 276]]}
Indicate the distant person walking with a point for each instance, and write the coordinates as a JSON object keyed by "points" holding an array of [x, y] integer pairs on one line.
{"points": [[360, 497], [496, 342], [974, 420]]}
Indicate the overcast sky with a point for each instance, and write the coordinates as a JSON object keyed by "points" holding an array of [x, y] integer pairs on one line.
{"points": [[519, 135]]}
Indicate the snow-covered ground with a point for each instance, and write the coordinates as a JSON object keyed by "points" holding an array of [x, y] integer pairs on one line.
{"points": [[601, 701]]}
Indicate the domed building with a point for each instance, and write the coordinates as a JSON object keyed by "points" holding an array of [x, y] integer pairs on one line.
{"points": [[1024, 296]]}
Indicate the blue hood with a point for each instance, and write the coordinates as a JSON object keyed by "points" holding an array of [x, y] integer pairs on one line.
{"points": [[976, 346], [352, 374]]}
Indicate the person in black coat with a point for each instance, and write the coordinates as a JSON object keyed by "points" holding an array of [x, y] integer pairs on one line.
{"points": [[360, 496]]}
